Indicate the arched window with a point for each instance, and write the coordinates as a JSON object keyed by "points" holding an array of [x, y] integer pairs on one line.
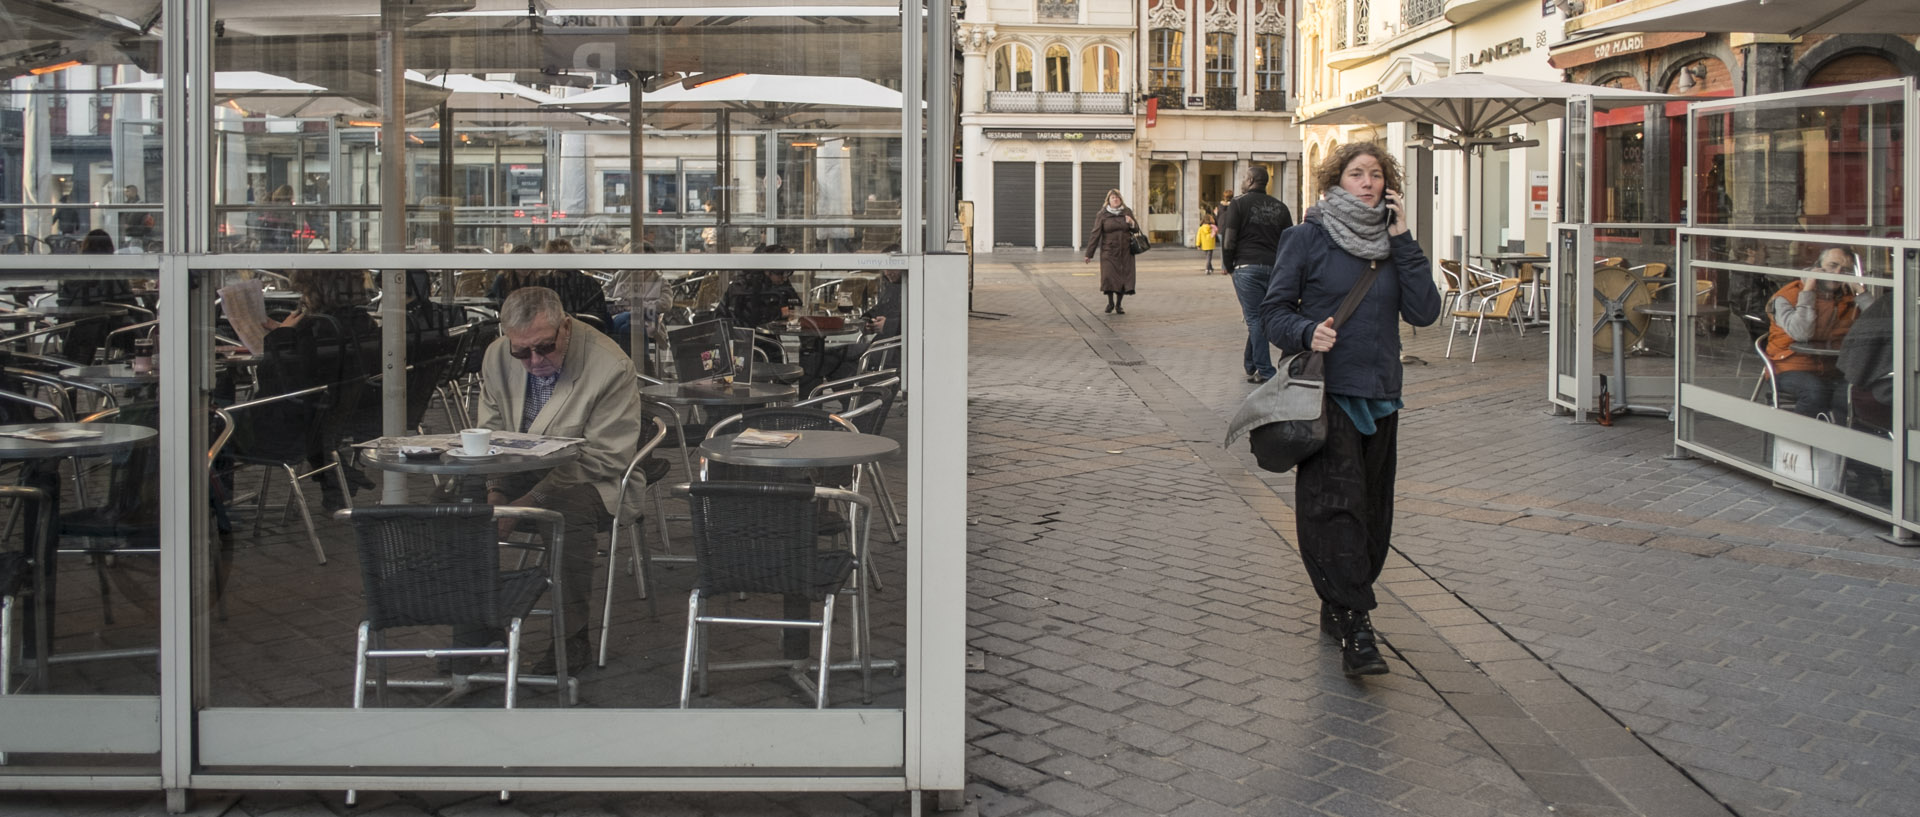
{"points": [[1059, 67], [1166, 56], [1100, 69], [1013, 68]]}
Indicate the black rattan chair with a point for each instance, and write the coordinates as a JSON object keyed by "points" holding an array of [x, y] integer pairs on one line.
{"points": [[439, 565], [761, 538], [22, 573]]}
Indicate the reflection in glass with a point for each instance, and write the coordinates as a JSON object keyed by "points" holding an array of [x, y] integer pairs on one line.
{"points": [[1828, 162], [286, 635]]}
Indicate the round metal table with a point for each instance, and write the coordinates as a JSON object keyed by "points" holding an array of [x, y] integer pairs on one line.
{"points": [[766, 371], [814, 449], [445, 465], [113, 437], [111, 374], [78, 312]]}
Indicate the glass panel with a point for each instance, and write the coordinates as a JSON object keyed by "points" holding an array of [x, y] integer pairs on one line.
{"points": [[286, 635], [1100, 69], [1829, 161], [1633, 307], [83, 144], [1815, 340], [513, 136], [79, 411]]}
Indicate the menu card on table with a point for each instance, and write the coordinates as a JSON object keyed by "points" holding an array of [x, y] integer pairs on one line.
{"points": [[757, 438], [509, 442]]}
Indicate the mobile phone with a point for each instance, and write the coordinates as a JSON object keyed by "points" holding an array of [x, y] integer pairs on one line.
{"points": [[1392, 214]]}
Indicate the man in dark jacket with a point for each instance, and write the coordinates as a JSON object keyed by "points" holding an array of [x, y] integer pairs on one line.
{"points": [[1250, 229]]}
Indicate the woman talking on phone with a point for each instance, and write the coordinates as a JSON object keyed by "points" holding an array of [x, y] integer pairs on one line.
{"points": [[1343, 496]]}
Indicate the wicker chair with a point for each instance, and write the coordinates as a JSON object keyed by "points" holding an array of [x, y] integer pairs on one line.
{"points": [[866, 408], [22, 572], [760, 538], [439, 565]]}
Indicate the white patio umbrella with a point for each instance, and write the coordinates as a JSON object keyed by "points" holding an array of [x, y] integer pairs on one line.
{"points": [[1790, 17], [762, 92], [1471, 104]]}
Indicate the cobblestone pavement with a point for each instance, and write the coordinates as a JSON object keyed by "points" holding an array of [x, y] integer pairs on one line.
{"points": [[1577, 625]]}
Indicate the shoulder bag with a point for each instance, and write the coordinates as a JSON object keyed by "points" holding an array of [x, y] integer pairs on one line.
{"points": [[1287, 414], [1138, 243]]}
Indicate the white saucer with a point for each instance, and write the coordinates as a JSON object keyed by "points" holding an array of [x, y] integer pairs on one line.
{"points": [[461, 454]]}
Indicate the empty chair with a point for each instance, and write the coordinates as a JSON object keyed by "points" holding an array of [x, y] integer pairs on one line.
{"points": [[633, 480], [439, 566], [760, 538], [1491, 301]]}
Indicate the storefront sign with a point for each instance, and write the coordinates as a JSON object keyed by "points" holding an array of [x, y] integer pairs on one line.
{"points": [[1363, 93], [1589, 52], [1537, 205], [1059, 154], [1511, 48], [1061, 135], [1196, 102], [1153, 111], [1211, 156]]}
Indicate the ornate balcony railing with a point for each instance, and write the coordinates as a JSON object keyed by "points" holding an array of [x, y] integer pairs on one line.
{"points": [[1058, 102], [1171, 99], [1270, 100], [1059, 9], [1415, 12], [1223, 99]]}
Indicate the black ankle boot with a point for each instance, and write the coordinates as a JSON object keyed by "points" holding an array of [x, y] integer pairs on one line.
{"points": [[1359, 654], [1328, 626]]}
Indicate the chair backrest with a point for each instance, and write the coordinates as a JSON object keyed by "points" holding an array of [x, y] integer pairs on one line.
{"points": [[866, 407], [425, 565], [1504, 298], [1766, 363], [881, 354], [756, 537], [874, 378]]}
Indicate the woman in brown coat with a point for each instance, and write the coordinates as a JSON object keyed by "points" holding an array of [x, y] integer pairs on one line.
{"points": [[1113, 229]]}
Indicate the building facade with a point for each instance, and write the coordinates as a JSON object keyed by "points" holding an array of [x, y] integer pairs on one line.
{"points": [[1354, 49], [1167, 101]]}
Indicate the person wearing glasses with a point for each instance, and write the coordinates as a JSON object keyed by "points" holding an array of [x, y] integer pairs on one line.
{"points": [[543, 375]]}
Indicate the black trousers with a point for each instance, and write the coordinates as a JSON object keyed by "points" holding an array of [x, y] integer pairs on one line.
{"points": [[1343, 509]]}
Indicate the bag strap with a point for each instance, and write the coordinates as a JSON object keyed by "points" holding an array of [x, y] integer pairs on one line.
{"points": [[1355, 295]]}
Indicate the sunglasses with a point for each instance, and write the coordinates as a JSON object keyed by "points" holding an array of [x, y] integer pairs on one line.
{"points": [[544, 348]]}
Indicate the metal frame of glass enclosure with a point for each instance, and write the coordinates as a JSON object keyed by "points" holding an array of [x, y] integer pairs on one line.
{"points": [[1717, 401], [175, 741]]}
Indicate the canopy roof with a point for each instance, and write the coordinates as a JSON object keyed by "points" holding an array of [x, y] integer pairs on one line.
{"points": [[1792, 17]]}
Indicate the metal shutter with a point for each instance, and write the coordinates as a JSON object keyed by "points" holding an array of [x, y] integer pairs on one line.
{"points": [[1057, 204], [1096, 178], [1013, 204]]}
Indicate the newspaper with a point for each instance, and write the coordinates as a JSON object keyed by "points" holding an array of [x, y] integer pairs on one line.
{"points": [[758, 438], [508, 442], [47, 434], [245, 306]]}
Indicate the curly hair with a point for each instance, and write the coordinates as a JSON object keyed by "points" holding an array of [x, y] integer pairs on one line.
{"points": [[1327, 175]]}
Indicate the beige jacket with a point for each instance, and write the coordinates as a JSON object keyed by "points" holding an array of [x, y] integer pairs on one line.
{"points": [[596, 398]]}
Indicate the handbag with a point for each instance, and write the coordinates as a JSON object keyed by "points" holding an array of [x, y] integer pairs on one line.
{"points": [[1139, 243], [1285, 419]]}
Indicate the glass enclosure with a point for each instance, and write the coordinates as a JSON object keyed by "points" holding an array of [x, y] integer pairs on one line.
{"points": [[1801, 247], [348, 271]]}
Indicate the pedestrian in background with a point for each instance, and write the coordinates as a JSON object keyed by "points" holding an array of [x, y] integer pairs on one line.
{"points": [[1343, 496], [1112, 235], [1250, 229], [1204, 238]]}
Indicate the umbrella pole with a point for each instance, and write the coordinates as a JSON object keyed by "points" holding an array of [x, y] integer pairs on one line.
{"points": [[636, 222]]}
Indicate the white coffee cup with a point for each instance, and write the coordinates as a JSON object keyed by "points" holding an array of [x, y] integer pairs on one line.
{"points": [[475, 442]]}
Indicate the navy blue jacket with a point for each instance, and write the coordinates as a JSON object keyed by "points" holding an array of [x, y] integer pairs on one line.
{"points": [[1312, 275]]}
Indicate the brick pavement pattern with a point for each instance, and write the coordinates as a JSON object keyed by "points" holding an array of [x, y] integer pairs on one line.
{"points": [[1577, 626]]}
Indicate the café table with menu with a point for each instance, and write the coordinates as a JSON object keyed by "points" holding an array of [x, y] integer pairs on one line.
{"points": [[442, 454]]}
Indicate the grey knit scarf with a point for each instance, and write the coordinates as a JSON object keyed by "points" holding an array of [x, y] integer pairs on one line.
{"points": [[1357, 228]]}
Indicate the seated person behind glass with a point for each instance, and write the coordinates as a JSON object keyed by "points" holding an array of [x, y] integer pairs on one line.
{"points": [[759, 297], [1816, 312], [1866, 361], [543, 377]]}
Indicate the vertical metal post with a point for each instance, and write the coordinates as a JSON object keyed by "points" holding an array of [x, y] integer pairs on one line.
{"points": [[913, 203], [186, 75], [940, 121], [636, 218], [393, 229]]}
